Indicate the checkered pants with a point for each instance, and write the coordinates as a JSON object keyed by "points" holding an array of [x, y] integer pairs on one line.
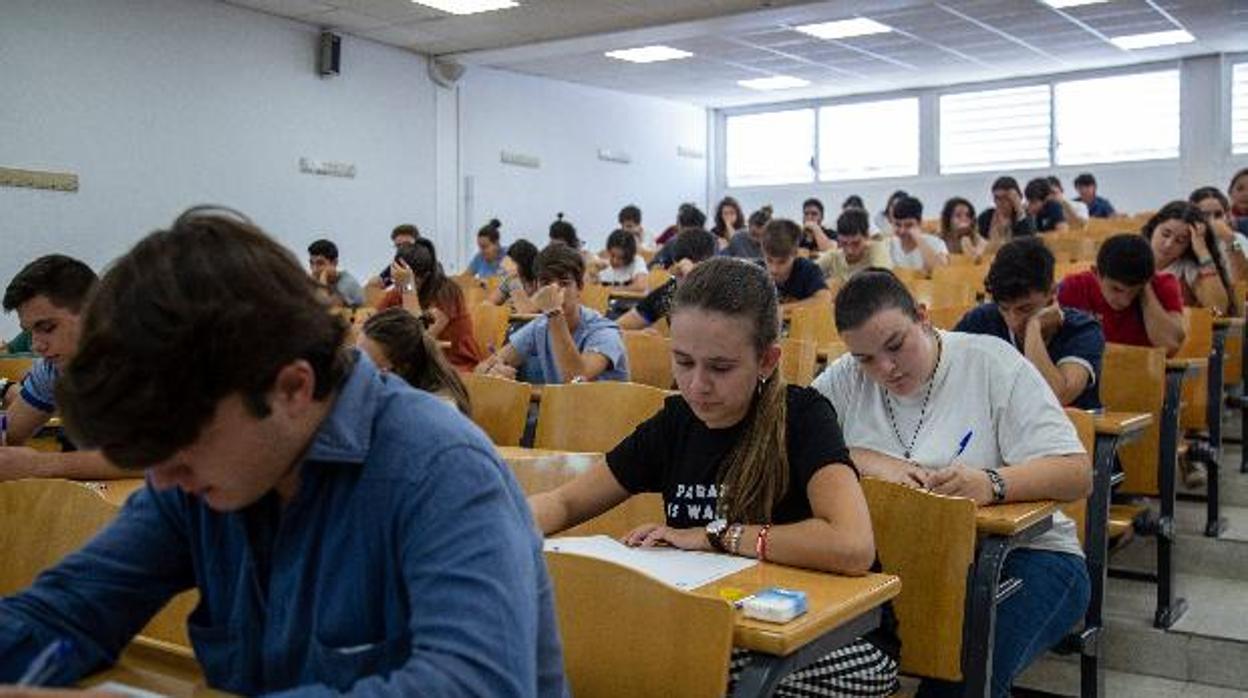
{"points": [[857, 669]]}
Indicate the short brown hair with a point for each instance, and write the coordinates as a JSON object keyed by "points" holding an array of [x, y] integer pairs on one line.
{"points": [[405, 229], [208, 308], [64, 280], [780, 237], [558, 261]]}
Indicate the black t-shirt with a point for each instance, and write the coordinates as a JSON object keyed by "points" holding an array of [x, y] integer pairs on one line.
{"points": [[676, 454], [805, 280], [1050, 215], [658, 303], [1020, 227]]}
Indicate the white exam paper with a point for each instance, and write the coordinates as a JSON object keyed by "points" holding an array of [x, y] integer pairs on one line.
{"points": [[683, 569]]}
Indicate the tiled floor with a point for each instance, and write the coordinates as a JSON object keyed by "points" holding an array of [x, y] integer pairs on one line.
{"points": [[1062, 678]]}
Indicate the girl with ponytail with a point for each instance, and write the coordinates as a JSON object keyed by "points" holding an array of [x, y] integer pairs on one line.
{"points": [[746, 464]]}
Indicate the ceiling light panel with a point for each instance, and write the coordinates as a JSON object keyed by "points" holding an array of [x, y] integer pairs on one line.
{"points": [[775, 82], [1063, 4], [467, 7], [844, 29], [1133, 42], [648, 54]]}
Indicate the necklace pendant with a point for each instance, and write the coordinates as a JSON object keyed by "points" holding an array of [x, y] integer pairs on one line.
{"points": [[907, 455]]}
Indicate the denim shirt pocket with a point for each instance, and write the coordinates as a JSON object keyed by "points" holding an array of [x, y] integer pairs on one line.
{"points": [[340, 666]]}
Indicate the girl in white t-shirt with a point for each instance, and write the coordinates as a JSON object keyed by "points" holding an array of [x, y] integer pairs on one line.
{"points": [[968, 416], [626, 269]]}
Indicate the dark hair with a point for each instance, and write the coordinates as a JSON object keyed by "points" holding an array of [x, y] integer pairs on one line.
{"points": [[171, 330], [1210, 193], [868, 292], [558, 261], [780, 238], [694, 244], [908, 207], [565, 232], [721, 228], [1006, 183], [490, 230], [323, 248], [893, 199], [812, 201], [432, 286], [1193, 216], [951, 207], [754, 476], [690, 216], [621, 239], [629, 214], [1126, 258], [1022, 266], [1038, 189], [853, 201], [405, 229], [415, 354], [64, 280], [524, 254], [1235, 178], [1054, 183], [760, 217], [852, 222], [1085, 180]]}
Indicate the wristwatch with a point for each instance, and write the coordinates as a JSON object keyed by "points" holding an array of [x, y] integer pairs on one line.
{"points": [[998, 485], [715, 533]]}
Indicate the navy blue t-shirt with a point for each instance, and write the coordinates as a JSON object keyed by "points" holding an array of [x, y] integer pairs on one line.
{"points": [[804, 281], [1078, 340], [1049, 216]]}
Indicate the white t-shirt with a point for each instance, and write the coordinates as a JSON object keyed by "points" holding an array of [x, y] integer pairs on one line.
{"points": [[983, 386], [613, 276], [914, 258]]}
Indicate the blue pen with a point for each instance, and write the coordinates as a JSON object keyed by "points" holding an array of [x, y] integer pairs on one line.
{"points": [[4, 429], [45, 664], [962, 445]]}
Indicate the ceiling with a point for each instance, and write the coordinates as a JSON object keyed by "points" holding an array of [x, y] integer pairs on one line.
{"points": [[933, 43]]}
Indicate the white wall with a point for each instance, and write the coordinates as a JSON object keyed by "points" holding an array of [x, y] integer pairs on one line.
{"points": [[565, 125], [161, 104], [1204, 159]]}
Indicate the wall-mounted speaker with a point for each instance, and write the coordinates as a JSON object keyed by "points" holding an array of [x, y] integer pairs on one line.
{"points": [[445, 73], [329, 54]]}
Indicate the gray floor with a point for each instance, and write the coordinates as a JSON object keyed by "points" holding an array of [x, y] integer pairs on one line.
{"points": [[1062, 678]]}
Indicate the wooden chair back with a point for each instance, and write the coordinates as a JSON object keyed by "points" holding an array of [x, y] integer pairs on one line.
{"points": [[649, 359], [657, 277], [499, 406], [797, 361], [958, 260], [593, 417], [1133, 379], [947, 318], [907, 275], [935, 294], [1197, 345], [489, 325], [933, 569], [1085, 427], [15, 368], [596, 296], [813, 323], [609, 619]]}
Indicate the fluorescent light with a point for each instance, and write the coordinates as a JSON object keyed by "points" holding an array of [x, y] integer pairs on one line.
{"points": [[1062, 4], [467, 7], [648, 54], [1132, 42], [775, 82], [844, 29]]}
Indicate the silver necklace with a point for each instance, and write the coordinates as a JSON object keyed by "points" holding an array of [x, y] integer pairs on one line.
{"points": [[892, 419]]}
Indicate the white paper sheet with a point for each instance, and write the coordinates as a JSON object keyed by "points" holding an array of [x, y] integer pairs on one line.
{"points": [[682, 569], [122, 689]]}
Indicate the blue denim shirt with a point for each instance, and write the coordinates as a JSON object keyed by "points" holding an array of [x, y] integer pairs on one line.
{"points": [[407, 563]]}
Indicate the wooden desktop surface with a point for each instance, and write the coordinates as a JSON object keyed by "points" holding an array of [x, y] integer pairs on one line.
{"points": [[155, 669], [1122, 423]]}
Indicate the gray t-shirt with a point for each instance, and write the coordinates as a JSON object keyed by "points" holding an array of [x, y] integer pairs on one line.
{"points": [[983, 386]]}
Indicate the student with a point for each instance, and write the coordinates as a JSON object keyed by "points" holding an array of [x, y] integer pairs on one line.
{"points": [[748, 244], [1098, 207], [626, 268], [910, 247], [746, 465], [853, 201], [1234, 244], [1046, 212], [729, 220], [564, 232], [423, 290], [689, 250], [569, 343], [799, 281], [908, 397], [398, 343], [855, 249], [1076, 212], [1134, 304], [342, 288], [521, 282], [488, 261], [1007, 219], [629, 219], [1184, 246], [959, 231], [405, 234], [815, 237], [884, 218], [1238, 191], [1065, 345], [335, 547], [688, 218], [48, 295]]}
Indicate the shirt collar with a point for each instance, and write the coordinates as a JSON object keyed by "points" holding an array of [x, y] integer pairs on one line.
{"points": [[346, 433]]}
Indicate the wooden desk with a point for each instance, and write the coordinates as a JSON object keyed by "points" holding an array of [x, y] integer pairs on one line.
{"points": [[625, 294], [1013, 518], [151, 667], [116, 492]]}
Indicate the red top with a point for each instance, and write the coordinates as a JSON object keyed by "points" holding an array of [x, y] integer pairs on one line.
{"points": [[464, 353], [1083, 291]]}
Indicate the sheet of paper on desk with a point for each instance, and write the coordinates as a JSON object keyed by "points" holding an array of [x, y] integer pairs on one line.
{"points": [[683, 569], [122, 689]]}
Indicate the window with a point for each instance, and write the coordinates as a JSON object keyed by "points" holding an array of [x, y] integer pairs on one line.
{"points": [[869, 139], [1239, 108], [995, 130], [770, 148], [1117, 119]]}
